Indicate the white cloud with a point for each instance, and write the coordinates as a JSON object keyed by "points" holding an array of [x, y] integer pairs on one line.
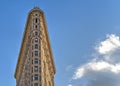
{"points": [[103, 70], [69, 85], [79, 73], [111, 43], [96, 67]]}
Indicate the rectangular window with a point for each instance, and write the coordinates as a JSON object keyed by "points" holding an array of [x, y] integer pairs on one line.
{"points": [[36, 53], [36, 20], [36, 77], [36, 46], [36, 61], [35, 84], [36, 68], [36, 39], [36, 26]]}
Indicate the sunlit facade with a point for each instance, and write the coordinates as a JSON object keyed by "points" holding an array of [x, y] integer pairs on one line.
{"points": [[35, 66]]}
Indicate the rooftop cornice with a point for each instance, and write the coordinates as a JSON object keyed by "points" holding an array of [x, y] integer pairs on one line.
{"points": [[35, 9]]}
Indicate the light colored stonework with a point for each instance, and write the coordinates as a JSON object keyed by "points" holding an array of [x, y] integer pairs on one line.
{"points": [[35, 66]]}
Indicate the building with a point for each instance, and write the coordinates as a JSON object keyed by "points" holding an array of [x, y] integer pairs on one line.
{"points": [[35, 66]]}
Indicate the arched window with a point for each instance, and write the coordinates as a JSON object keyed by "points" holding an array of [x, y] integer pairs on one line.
{"points": [[36, 33]]}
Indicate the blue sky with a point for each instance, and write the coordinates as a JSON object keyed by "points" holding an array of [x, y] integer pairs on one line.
{"points": [[75, 27]]}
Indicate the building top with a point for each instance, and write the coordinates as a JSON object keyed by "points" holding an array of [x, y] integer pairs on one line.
{"points": [[35, 9]]}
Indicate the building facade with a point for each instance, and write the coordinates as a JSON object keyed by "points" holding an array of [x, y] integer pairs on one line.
{"points": [[35, 66]]}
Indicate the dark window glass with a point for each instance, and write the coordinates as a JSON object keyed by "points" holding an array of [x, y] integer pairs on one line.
{"points": [[36, 20], [36, 46], [36, 14], [36, 68], [35, 26], [35, 84], [36, 77], [36, 61], [36, 53], [36, 33], [36, 39]]}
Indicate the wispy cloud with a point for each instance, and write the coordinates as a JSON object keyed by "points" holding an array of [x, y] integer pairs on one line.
{"points": [[103, 70], [69, 67]]}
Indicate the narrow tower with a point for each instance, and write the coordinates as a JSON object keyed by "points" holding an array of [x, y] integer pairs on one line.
{"points": [[35, 66]]}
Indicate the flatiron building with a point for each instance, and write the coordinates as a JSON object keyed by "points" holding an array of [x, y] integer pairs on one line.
{"points": [[35, 65]]}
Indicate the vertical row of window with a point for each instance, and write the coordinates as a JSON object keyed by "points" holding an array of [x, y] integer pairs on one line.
{"points": [[36, 23], [35, 67], [35, 46], [35, 52], [35, 61]]}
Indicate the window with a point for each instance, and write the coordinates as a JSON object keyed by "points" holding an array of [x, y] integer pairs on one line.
{"points": [[35, 26], [36, 14], [36, 61], [36, 68], [36, 46], [36, 39], [36, 33], [36, 53], [36, 20], [36, 77], [35, 84]]}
